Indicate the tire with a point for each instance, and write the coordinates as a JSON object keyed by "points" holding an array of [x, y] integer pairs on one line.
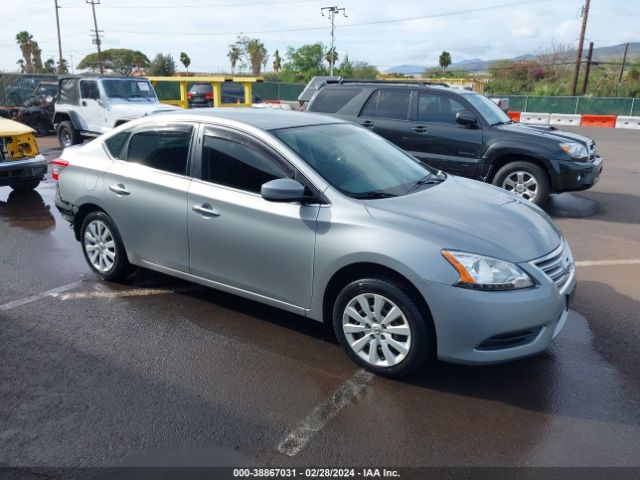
{"points": [[396, 355], [516, 177], [110, 262], [25, 187], [68, 135]]}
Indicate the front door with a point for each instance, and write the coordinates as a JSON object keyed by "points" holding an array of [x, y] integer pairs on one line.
{"points": [[438, 140], [147, 195], [239, 239]]}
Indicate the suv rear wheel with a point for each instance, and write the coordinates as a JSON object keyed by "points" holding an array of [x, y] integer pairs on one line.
{"points": [[68, 135], [526, 180], [381, 327]]}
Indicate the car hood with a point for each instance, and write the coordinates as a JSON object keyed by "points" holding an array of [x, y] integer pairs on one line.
{"points": [[468, 215], [543, 131], [141, 109]]}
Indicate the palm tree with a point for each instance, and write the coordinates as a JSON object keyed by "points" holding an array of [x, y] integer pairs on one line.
{"points": [[234, 55], [185, 60], [20, 64], [24, 41], [445, 60], [277, 61], [36, 51], [257, 55], [331, 56]]}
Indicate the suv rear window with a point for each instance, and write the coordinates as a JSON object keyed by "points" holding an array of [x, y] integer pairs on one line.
{"points": [[332, 100], [202, 88]]}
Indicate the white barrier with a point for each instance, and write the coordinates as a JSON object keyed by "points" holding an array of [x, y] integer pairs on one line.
{"points": [[564, 119], [628, 122], [535, 118]]}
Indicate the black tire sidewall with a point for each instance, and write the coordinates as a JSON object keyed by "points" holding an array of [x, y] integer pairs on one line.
{"points": [[541, 176], [121, 266], [419, 322], [66, 125]]}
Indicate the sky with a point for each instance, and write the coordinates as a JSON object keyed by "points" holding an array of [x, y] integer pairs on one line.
{"points": [[383, 33]]}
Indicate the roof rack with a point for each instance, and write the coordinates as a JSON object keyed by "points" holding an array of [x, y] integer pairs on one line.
{"points": [[419, 83]]}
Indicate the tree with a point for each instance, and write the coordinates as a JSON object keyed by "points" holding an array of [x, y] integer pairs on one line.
{"points": [[20, 64], [185, 60], [364, 71], [234, 54], [346, 68], [24, 41], [50, 66], [36, 53], [331, 56], [119, 60], [62, 66], [304, 63], [254, 52], [445, 60], [277, 61], [162, 65]]}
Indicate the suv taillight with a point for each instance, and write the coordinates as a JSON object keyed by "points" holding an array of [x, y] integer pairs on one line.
{"points": [[58, 165], [208, 95]]}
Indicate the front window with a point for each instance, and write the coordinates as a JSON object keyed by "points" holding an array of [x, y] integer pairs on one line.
{"points": [[355, 161], [128, 88], [491, 112]]}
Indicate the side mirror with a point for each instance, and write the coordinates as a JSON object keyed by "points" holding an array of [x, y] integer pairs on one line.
{"points": [[282, 190], [466, 118]]}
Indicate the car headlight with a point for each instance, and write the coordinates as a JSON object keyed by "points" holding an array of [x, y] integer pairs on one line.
{"points": [[486, 273], [575, 150]]}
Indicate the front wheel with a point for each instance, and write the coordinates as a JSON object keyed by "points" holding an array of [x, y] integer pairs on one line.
{"points": [[526, 180], [68, 135], [382, 328], [103, 248]]}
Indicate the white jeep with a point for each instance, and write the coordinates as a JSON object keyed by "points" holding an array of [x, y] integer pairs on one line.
{"points": [[90, 106]]}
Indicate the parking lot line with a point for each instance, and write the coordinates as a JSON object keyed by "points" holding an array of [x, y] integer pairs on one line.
{"points": [[40, 296], [136, 292], [296, 440], [607, 263]]}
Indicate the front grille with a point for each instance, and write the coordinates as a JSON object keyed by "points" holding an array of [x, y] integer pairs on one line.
{"points": [[558, 265], [510, 340]]}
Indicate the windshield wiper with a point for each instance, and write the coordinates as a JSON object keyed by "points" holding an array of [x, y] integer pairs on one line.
{"points": [[430, 179], [374, 194]]}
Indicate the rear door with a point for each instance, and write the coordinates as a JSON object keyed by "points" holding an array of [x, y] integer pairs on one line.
{"points": [[236, 237], [91, 107], [387, 114], [147, 194], [437, 139]]}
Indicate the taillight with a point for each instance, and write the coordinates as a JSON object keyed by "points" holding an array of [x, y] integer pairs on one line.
{"points": [[58, 165], [208, 95], [189, 96]]}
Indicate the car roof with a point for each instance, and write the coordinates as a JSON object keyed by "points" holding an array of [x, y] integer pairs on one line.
{"points": [[399, 85], [262, 118]]}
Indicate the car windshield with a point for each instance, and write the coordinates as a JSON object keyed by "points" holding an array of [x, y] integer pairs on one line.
{"points": [[355, 161], [125, 88], [491, 112]]}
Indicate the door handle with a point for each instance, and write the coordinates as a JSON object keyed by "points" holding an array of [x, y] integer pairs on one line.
{"points": [[420, 129], [119, 189], [367, 123], [206, 210], [84, 103]]}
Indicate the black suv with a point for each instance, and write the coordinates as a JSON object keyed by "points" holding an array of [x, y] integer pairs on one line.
{"points": [[466, 134]]}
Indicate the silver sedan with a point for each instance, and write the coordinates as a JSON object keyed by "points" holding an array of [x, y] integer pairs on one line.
{"points": [[325, 219]]}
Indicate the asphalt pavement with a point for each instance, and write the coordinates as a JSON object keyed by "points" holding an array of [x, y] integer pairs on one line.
{"points": [[156, 371]]}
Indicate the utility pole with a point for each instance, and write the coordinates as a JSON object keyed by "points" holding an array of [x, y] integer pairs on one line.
{"points": [[585, 15], [59, 39], [331, 12], [587, 69], [624, 60], [93, 4]]}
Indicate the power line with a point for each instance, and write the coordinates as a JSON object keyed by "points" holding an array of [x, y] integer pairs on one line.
{"points": [[210, 5], [349, 25]]}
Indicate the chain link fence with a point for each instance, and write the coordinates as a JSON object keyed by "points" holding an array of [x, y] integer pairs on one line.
{"points": [[16, 88], [574, 105]]}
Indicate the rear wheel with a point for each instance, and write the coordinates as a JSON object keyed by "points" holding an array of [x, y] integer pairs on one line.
{"points": [[25, 187], [68, 135], [526, 180], [103, 248], [382, 328]]}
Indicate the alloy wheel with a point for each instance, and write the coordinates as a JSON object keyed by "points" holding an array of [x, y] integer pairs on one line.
{"points": [[376, 330], [100, 246], [522, 184]]}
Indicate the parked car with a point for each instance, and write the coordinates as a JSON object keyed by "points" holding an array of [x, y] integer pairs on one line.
{"points": [[90, 106], [323, 218], [466, 134], [201, 94], [22, 167], [19, 91]]}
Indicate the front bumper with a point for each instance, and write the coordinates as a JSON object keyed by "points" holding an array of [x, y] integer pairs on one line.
{"points": [[466, 320], [572, 176], [14, 172]]}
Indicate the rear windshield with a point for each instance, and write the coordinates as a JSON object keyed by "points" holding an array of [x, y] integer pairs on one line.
{"points": [[202, 88], [332, 100]]}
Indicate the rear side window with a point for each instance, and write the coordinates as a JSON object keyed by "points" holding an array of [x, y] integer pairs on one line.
{"points": [[332, 100], [239, 165], [115, 144], [68, 91], [165, 149], [371, 107], [394, 104]]}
